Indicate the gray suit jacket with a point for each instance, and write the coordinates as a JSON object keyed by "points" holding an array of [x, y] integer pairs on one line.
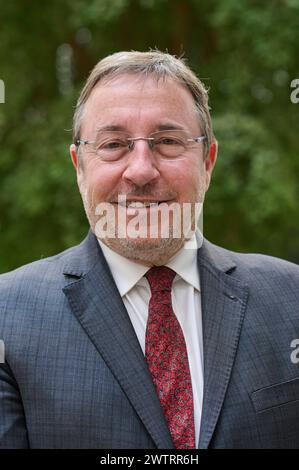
{"points": [[75, 375]]}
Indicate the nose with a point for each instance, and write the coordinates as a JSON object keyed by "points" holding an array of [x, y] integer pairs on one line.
{"points": [[141, 167]]}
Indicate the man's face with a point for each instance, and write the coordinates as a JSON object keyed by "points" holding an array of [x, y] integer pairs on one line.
{"points": [[140, 106]]}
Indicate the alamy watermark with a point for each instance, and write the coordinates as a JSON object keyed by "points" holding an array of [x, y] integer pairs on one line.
{"points": [[295, 354], [2, 92], [295, 93], [2, 352], [144, 219]]}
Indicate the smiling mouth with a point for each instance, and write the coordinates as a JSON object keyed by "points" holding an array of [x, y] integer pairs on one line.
{"points": [[140, 204]]}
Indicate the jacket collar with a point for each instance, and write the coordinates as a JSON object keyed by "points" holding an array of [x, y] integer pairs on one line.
{"points": [[96, 302], [83, 257]]}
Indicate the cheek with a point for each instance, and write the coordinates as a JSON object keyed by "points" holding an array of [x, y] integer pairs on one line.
{"points": [[188, 180], [100, 180]]}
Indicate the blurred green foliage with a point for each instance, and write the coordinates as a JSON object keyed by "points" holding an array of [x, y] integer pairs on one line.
{"points": [[245, 51]]}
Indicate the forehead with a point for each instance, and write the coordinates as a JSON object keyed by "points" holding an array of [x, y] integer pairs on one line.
{"points": [[137, 102]]}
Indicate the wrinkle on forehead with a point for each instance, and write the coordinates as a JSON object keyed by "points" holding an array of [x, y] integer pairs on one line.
{"points": [[142, 81], [143, 94]]}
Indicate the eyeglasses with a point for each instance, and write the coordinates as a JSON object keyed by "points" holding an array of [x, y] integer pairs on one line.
{"points": [[114, 145]]}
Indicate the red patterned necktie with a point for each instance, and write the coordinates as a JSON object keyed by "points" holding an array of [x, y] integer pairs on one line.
{"points": [[166, 355]]}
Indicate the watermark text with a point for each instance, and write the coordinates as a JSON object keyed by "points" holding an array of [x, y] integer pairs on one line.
{"points": [[147, 220], [295, 354], [2, 352], [2, 92], [295, 93]]}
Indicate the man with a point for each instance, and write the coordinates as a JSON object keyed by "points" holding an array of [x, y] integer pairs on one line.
{"points": [[145, 335]]}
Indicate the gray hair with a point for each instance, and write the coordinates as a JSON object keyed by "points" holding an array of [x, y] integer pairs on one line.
{"points": [[154, 63]]}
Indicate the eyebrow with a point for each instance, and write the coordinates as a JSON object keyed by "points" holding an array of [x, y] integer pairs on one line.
{"points": [[168, 126], [110, 127], [161, 127]]}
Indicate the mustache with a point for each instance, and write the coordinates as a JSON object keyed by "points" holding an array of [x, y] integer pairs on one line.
{"points": [[148, 191]]}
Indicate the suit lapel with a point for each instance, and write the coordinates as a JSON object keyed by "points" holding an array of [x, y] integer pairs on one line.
{"points": [[224, 301], [96, 302]]}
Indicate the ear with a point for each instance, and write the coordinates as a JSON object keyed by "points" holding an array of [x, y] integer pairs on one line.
{"points": [[75, 159], [210, 161]]}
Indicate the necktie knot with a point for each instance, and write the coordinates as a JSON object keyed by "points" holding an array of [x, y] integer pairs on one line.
{"points": [[160, 278]]}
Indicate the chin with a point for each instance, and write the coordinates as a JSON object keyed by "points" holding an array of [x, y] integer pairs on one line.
{"points": [[147, 250]]}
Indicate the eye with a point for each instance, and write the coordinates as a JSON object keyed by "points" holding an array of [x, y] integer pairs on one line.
{"points": [[168, 141], [113, 144]]}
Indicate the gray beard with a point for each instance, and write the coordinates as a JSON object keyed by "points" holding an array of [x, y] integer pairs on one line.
{"points": [[151, 252], [154, 251]]}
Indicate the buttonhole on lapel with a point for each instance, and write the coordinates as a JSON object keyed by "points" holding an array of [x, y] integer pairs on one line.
{"points": [[73, 276], [230, 296]]}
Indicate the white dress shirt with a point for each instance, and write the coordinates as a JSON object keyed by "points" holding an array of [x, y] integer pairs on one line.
{"points": [[186, 301]]}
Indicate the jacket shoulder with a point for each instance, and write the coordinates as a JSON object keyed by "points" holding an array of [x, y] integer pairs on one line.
{"points": [[37, 269], [250, 265], [263, 268], [259, 263]]}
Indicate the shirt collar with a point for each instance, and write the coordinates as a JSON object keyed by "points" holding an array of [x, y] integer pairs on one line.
{"points": [[127, 273]]}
